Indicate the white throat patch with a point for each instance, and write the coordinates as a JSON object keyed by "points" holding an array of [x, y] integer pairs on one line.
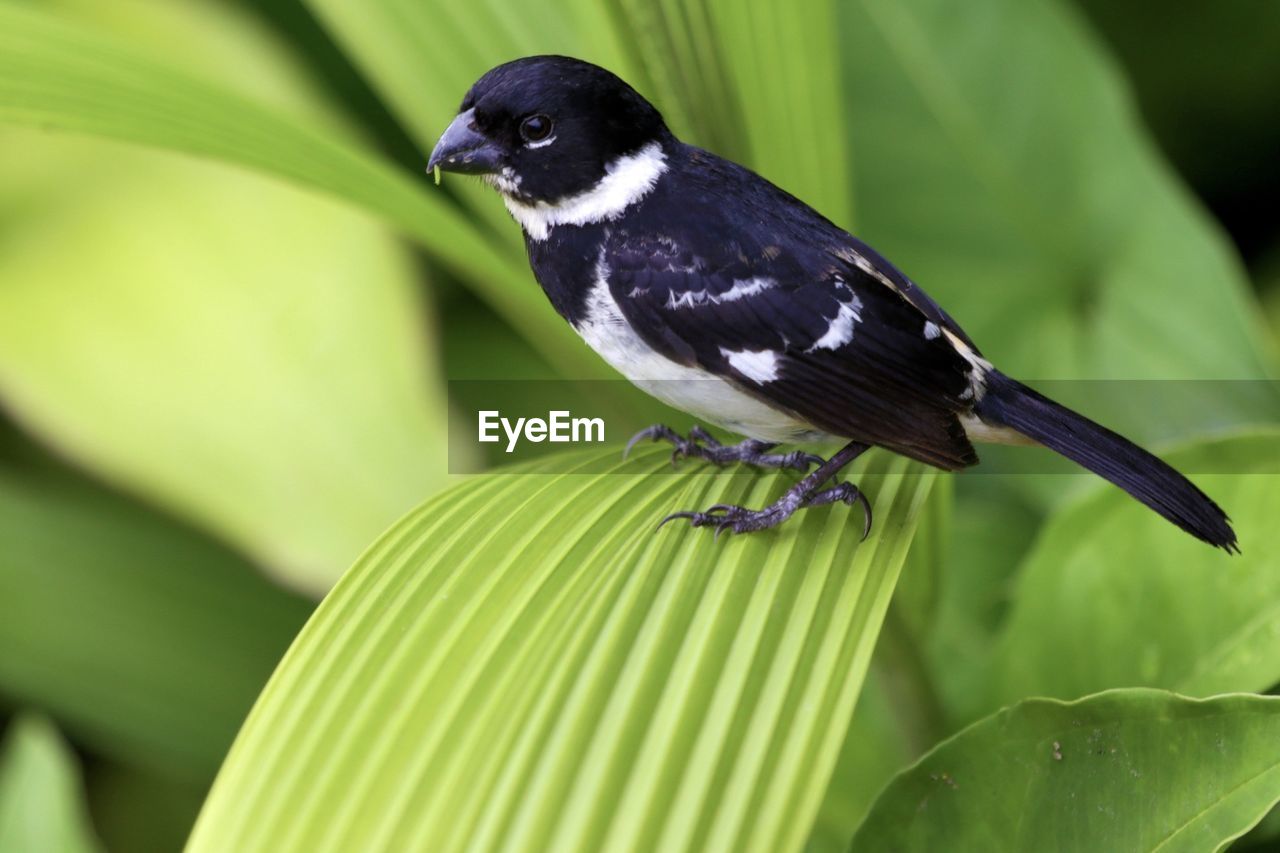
{"points": [[626, 180]]}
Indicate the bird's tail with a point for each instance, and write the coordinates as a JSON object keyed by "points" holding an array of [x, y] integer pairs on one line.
{"points": [[1009, 403]]}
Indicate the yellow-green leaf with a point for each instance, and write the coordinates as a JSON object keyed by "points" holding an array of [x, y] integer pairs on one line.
{"points": [[58, 75], [41, 794], [251, 357], [525, 661]]}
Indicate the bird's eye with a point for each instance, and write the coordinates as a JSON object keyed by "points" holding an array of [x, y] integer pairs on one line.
{"points": [[535, 128]]}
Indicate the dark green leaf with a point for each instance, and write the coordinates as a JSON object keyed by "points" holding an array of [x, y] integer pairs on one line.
{"points": [[1112, 595], [1133, 770], [998, 160], [145, 640]]}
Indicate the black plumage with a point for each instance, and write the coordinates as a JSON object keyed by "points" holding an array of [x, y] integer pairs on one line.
{"points": [[686, 244], [723, 294]]}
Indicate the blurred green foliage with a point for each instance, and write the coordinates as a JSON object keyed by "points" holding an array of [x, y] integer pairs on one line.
{"points": [[222, 376], [40, 801]]}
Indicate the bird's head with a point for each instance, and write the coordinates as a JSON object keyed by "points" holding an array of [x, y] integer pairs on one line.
{"points": [[547, 128]]}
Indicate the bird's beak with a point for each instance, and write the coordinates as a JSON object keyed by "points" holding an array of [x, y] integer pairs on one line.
{"points": [[463, 149]]}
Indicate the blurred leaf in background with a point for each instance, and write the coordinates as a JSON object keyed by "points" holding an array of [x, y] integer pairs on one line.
{"points": [[1207, 80], [1103, 577], [155, 327], [145, 639], [1065, 253], [252, 357], [163, 636], [41, 793]]}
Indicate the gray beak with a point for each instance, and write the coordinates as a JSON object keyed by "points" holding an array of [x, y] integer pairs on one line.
{"points": [[464, 149]]}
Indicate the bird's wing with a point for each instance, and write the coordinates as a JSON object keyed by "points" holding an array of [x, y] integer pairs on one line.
{"points": [[821, 336]]}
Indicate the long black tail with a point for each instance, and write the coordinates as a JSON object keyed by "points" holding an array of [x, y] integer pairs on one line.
{"points": [[1009, 403]]}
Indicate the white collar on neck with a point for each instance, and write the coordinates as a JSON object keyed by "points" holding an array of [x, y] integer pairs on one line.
{"points": [[626, 180]]}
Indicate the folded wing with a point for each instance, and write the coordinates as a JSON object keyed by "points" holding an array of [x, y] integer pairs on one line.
{"points": [[831, 336]]}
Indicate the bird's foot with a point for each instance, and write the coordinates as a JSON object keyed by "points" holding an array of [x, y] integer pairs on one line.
{"points": [[703, 445], [740, 519]]}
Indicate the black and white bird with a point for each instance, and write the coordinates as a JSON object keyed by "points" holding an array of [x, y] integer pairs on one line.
{"points": [[728, 298]]}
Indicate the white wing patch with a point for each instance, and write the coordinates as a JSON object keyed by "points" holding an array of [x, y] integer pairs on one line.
{"points": [[756, 365], [840, 332], [698, 392], [741, 289], [626, 180]]}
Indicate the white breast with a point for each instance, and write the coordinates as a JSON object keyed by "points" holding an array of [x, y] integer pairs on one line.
{"points": [[698, 392]]}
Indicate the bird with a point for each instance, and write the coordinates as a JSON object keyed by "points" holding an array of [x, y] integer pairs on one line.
{"points": [[730, 299]]}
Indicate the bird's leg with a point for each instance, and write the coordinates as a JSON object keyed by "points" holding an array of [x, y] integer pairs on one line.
{"points": [[703, 445], [808, 492]]}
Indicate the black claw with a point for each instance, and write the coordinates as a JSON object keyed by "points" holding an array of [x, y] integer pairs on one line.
{"points": [[675, 515], [657, 432], [866, 515], [854, 495], [846, 493]]}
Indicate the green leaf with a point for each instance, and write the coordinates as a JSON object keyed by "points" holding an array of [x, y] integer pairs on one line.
{"points": [[755, 82], [1108, 574], [145, 640], [57, 75], [1000, 163], [255, 364], [918, 595], [1214, 119], [41, 800], [675, 46], [784, 69], [423, 56], [137, 809], [876, 747], [525, 660], [899, 715], [994, 527], [1133, 770]]}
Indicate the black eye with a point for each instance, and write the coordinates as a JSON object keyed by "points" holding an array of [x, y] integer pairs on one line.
{"points": [[535, 128]]}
